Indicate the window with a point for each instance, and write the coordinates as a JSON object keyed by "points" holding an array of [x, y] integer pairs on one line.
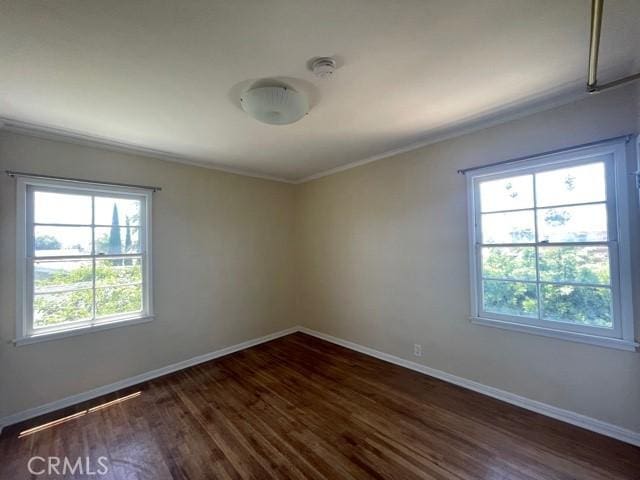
{"points": [[83, 257], [550, 249]]}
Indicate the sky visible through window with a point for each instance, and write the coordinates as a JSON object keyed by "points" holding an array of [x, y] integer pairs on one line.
{"points": [[555, 188], [66, 221]]}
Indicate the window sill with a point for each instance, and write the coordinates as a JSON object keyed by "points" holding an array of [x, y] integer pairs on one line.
{"points": [[560, 334], [81, 330]]}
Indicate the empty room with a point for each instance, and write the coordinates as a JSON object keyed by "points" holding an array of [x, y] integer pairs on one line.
{"points": [[294, 239]]}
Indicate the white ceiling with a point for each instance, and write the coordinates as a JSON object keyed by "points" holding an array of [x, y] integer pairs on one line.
{"points": [[167, 74]]}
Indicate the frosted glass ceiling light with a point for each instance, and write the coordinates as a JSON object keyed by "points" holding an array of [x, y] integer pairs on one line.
{"points": [[275, 105]]}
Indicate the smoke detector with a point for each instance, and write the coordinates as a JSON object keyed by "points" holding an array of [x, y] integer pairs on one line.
{"points": [[323, 67]]}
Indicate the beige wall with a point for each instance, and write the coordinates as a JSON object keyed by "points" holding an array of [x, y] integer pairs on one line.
{"points": [[377, 255], [222, 272], [382, 260]]}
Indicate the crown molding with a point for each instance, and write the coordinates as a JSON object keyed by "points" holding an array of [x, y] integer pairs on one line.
{"points": [[565, 95], [79, 138]]}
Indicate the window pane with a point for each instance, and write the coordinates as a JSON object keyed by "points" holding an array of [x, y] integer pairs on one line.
{"points": [[589, 306], [61, 208], [118, 300], [118, 271], [510, 298], [586, 223], [117, 240], [574, 264], [51, 276], [581, 184], [512, 227], [511, 193], [60, 308], [59, 241], [517, 263], [117, 211]]}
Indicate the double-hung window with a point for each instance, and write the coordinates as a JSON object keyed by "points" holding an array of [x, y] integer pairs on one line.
{"points": [[550, 246], [83, 257]]}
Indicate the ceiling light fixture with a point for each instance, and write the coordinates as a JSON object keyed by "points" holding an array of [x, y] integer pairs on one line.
{"points": [[275, 105]]}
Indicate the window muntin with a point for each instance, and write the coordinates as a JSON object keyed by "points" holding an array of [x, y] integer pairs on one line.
{"points": [[545, 245], [85, 256]]}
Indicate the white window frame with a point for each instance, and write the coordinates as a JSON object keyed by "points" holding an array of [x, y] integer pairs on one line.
{"points": [[25, 333], [622, 335]]}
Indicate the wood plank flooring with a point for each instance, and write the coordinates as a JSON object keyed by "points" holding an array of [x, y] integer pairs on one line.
{"points": [[302, 408]]}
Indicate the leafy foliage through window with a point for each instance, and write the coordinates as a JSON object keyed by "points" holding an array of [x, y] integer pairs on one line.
{"points": [[546, 245], [545, 251], [86, 256]]}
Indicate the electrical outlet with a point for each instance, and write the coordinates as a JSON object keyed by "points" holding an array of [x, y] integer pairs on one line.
{"points": [[417, 350]]}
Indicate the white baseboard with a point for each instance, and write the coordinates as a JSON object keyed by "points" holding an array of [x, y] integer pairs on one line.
{"points": [[567, 416], [598, 426], [143, 377]]}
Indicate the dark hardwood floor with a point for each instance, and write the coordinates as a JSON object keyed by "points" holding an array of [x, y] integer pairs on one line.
{"points": [[299, 407]]}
